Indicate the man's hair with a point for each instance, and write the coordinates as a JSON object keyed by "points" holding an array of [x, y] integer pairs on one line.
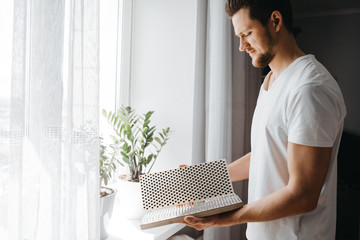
{"points": [[261, 10]]}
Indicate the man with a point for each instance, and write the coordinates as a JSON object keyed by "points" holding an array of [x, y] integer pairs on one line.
{"points": [[295, 133]]}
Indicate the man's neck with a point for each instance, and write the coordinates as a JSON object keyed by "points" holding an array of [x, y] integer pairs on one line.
{"points": [[286, 52]]}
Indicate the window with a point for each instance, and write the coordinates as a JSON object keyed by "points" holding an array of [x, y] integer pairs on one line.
{"points": [[110, 50], [115, 59]]}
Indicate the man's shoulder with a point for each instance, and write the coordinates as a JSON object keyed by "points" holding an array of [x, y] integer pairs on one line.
{"points": [[309, 71]]}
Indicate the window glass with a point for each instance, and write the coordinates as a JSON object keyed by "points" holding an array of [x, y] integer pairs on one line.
{"points": [[110, 59]]}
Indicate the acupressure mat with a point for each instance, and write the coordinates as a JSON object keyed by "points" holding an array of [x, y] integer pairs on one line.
{"points": [[200, 190]]}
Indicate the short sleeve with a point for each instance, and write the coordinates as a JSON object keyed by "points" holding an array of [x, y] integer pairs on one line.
{"points": [[314, 116]]}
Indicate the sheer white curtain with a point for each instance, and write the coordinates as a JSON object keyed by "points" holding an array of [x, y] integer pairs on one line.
{"points": [[49, 120], [226, 88]]}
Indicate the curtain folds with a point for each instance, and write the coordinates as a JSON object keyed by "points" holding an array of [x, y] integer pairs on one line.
{"points": [[226, 87], [49, 122]]}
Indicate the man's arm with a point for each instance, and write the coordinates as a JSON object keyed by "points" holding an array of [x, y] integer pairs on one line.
{"points": [[308, 167], [239, 169]]}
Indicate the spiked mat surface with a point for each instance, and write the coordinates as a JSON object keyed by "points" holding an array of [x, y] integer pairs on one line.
{"points": [[201, 190]]}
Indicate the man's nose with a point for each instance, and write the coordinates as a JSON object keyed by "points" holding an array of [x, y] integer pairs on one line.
{"points": [[243, 44]]}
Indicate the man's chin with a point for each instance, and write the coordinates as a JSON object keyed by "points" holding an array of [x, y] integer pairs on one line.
{"points": [[259, 62], [256, 63]]}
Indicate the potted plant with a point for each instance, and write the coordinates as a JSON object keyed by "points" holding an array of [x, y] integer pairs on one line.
{"points": [[136, 144], [107, 166]]}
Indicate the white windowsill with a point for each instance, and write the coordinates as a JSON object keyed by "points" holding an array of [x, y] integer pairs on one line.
{"points": [[124, 229]]}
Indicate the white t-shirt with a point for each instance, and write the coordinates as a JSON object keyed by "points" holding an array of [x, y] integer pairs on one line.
{"points": [[303, 106]]}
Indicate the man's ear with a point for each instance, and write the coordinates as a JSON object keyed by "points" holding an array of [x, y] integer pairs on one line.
{"points": [[276, 20]]}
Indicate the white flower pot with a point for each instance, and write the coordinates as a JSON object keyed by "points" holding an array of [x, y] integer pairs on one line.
{"points": [[106, 208], [129, 199]]}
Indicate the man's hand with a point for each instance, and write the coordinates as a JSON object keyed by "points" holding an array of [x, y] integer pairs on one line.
{"points": [[222, 219], [200, 223]]}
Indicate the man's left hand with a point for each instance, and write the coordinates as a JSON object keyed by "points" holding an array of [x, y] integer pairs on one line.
{"points": [[222, 219], [200, 223]]}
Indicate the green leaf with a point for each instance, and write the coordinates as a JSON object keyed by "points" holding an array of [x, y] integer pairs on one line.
{"points": [[134, 123], [116, 120], [151, 130], [146, 123], [157, 139], [145, 130], [162, 136], [122, 129], [150, 157], [104, 113], [149, 137], [148, 115], [109, 116], [124, 154], [164, 131]]}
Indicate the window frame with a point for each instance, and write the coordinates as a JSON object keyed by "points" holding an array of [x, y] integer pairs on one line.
{"points": [[124, 67]]}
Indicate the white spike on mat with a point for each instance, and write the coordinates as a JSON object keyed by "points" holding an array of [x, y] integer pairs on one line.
{"points": [[201, 190]]}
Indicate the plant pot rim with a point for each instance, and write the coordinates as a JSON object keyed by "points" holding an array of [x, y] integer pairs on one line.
{"points": [[113, 191], [126, 178]]}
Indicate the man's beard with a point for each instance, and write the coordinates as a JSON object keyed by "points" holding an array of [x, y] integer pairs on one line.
{"points": [[265, 58]]}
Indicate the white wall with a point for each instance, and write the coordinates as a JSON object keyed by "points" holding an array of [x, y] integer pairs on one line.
{"points": [[162, 75], [335, 42]]}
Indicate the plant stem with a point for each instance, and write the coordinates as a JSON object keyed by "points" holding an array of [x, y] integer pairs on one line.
{"points": [[155, 157]]}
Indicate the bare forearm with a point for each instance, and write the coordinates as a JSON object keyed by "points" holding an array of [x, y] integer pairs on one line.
{"points": [[282, 203], [289, 201], [239, 169]]}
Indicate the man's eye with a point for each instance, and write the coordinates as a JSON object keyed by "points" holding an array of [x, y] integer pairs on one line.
{"points": [[248, 34]]}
